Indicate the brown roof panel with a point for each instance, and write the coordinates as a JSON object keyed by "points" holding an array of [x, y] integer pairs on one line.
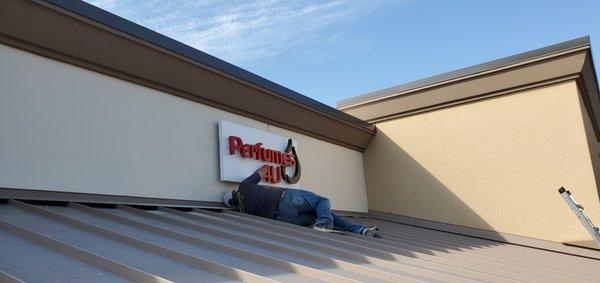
{"points": [[118, 242]]}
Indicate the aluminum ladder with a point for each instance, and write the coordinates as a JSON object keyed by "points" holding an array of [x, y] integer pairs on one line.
{"points": [[578, 209]]}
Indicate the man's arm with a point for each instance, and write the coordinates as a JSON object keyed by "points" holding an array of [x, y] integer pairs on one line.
{"points": [[256, 176]]}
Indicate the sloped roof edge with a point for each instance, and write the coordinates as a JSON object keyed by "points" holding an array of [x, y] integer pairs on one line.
{"points": [[570, 61], [83, 35], [114, 21], [468, 72]]}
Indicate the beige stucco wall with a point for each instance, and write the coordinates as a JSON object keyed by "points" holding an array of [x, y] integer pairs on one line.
{"points": [[69, 129], [331, 166], [495, 164]]}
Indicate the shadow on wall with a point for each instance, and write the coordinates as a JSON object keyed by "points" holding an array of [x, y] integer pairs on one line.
{"points": [[393, 178], [593, 145]]}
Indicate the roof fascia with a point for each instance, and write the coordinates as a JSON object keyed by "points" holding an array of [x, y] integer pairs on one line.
{"points": [[80, 34], [529, 57]]}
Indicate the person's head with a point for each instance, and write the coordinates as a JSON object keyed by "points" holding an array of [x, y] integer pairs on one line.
{"points": [[235, 199], [228, 199]]}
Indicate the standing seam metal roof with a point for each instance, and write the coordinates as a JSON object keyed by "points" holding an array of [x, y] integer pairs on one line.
{"points": [[76, 242]]}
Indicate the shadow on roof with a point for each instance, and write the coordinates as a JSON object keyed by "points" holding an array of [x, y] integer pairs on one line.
{"points": [[161, 244]]}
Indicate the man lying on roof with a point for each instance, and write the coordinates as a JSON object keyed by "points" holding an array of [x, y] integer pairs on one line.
{"points": [[294, 206]]}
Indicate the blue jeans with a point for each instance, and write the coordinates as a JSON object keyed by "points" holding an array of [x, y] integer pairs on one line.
{"points": [[304, 208]]}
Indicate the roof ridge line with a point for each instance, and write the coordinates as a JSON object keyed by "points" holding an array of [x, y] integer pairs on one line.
{"points": [[519, 59]]}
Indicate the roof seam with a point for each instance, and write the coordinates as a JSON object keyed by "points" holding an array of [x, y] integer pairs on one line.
{"points": [[278, 248], [194, 261], [88, 257], [263, 259], [418, 253]]}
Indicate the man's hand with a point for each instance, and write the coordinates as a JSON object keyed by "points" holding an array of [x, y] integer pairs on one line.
{"points": [[263, 171]]}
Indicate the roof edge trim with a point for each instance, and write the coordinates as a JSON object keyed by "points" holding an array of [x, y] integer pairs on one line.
{"points": [[62, 196], [528, 57], [113, 21], [65, 31]]}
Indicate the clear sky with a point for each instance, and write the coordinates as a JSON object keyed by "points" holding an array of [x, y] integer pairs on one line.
{"points": [[331, 50]]}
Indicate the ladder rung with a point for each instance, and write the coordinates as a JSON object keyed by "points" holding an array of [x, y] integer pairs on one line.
{"points": [[578, 210]]}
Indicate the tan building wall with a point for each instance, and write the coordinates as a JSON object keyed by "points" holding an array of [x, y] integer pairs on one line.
{"points": [[495, 164], [69, 129]]}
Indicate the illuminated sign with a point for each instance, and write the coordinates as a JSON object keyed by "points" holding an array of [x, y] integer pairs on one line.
{"points": [[281, 159], [242, 150]]}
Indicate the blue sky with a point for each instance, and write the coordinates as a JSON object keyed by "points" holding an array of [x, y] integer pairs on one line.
{"points": [[331, 50]]}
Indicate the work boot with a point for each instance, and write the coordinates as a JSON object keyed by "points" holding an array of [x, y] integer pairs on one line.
{"points": [[369, 232], [323, 227]]}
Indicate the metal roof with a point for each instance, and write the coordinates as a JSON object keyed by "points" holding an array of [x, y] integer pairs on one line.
{"points": [[464, 73], [75, 242]]}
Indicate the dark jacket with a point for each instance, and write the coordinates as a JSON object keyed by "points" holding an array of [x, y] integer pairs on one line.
{"points": [[257, 199]]}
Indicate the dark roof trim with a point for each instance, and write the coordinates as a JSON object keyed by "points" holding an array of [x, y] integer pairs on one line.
{"points": [[569, 61], [488, 235], [465, 73], [56, 196], [146, 58], [131, 28]]}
